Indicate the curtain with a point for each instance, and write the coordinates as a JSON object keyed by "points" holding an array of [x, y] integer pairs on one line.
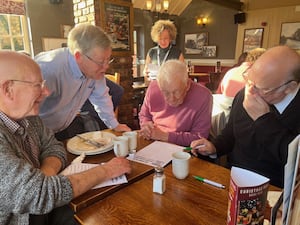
{"points": [[16, 7]]}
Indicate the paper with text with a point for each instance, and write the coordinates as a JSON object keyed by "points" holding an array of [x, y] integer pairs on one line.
{"points": [[80, 167], [156, 154]]}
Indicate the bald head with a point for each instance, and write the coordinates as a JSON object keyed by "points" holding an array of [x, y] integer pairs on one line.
{"points": [[277, 64], [21, 86], [276, 72], [14, 65]]}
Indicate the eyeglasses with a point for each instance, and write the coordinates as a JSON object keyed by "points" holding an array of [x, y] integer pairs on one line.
{"points": [[104, 62], [263, 91], [38, 84]]}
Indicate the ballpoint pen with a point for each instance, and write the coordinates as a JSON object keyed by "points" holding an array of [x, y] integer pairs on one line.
{"points": [[215, 184]]}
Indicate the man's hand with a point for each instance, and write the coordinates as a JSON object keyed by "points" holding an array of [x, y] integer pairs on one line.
{"points": [[116, 167], [158, 134], [146, 130], [254, 104], [122, 127], [203, 147]]}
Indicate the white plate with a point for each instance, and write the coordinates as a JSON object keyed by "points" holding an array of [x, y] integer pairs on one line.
{"points": [[77, 146]]}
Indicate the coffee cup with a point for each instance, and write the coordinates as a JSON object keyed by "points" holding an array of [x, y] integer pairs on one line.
{"points": [[121, 146], [132, 139], [181, 164]]}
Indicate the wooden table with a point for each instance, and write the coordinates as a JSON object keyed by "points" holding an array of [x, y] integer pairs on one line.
{"points": [[138, 172], [185, 201]]}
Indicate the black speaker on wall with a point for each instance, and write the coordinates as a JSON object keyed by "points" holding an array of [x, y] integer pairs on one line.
{"points": [[240, 18]]}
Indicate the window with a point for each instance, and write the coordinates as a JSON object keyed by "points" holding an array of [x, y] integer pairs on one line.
{"points": [[14, 33]]}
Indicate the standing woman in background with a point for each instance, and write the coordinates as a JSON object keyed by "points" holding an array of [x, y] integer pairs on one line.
{"points": [[163, 33]]}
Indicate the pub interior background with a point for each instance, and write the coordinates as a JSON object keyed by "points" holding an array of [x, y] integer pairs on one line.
{"points": [[46, 20]]}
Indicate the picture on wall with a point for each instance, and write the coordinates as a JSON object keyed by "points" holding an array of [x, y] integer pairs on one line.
{"points": [[290, 35], [117, 23], [252, 39], [193, 43]]}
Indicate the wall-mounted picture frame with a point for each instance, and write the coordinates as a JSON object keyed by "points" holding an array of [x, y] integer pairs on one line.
{"points": [[290, 35], [253, 38], [53, 43], [193, 43], [117, 20], [208, 51]]}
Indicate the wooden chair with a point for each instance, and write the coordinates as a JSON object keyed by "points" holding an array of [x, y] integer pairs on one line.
{"points": [[115, 78]]}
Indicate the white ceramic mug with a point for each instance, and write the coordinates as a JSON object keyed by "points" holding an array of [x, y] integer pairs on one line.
{"points": [[121, 146], [181, 164], [132, 139]]}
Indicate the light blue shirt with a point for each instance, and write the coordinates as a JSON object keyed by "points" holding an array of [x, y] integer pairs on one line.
{"points": [[69, 90]]}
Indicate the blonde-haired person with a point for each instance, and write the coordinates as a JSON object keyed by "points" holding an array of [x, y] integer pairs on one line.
{"points": [[175, 109], [163, 33], [233, 80]]}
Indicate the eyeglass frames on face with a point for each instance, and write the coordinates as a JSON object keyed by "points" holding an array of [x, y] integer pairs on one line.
{"points": [[104, 62], [260, 90], [40, 85]]}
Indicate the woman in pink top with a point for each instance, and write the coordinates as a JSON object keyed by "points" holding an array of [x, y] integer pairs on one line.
{"points": [[233, 80], [175, 109]]}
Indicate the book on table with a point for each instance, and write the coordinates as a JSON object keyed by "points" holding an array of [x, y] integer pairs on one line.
{"points": [[247, 197]]}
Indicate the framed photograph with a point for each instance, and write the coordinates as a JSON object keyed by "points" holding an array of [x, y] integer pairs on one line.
{"points": [[53, 43], [208, 51], [290, 35], [252, 39], [193, 43], [117, 21]]}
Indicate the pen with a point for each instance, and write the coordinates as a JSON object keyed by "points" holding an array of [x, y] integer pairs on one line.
{"points": [[187, 149], [209, 182]]}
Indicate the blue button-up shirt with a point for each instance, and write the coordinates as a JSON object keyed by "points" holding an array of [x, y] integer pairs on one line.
{"points": [[69, 90]]}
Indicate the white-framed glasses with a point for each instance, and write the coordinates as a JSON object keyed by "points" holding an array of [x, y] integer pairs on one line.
{"points": [[104, 62], [38, 84]]}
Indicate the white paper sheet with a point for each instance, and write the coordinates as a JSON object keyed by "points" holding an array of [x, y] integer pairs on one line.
{"points": [[156, 154], [80, 167], [153, 71]]}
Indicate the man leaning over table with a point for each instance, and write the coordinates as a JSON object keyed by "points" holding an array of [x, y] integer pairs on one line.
{"points": [[264, 117], [31, 189], [75, 74], [175, 109]]}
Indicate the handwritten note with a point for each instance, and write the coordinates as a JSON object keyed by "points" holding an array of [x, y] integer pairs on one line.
{"points": [[80, 167], [156, 154]]}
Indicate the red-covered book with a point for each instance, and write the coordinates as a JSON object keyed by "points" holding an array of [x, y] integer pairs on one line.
{"points": [[247, 197]]}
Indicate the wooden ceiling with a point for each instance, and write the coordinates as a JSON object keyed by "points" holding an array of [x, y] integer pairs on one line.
{"points": [[176, 7]]}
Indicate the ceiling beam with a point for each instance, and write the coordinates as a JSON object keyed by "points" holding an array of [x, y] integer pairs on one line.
{"points": [[229, 4]]}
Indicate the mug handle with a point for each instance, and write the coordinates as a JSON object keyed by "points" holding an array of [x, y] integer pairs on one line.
{"points": [[116, 149]]}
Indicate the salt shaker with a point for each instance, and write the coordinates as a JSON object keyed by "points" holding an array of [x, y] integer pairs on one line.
{"points": [[159, 180]]}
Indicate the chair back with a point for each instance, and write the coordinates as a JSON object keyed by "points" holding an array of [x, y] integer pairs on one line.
{"points": [[114, 78]]}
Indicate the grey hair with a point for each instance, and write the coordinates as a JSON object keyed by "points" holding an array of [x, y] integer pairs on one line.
{"points": [[85, 37], [173, 69]]}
